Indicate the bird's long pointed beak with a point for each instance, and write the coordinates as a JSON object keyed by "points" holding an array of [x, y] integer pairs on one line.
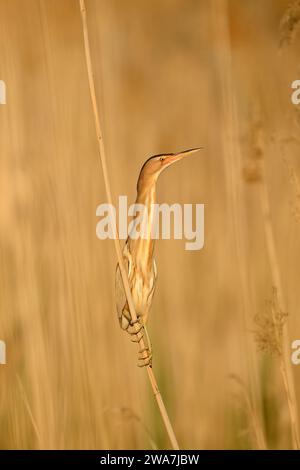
{"points": [[178, 156]]}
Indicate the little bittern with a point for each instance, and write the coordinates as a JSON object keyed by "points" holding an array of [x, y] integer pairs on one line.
{"points": [[139, 257]]}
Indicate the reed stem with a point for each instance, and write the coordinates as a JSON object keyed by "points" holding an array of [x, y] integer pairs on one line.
{"points": [[102, 156]]}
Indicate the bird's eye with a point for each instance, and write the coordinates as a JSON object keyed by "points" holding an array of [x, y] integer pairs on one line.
{"points": [[161, 159]]}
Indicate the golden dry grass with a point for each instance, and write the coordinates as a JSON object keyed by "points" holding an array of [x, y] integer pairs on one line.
{"points": [[169, 75]]}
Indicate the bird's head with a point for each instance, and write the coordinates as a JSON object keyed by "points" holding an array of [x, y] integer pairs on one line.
{"points": [[155, 165]]}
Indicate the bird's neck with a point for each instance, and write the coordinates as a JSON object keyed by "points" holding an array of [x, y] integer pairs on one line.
{"points": [[143, 248]]}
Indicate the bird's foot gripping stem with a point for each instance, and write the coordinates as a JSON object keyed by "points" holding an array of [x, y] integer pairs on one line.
{"points": [[145, 351], [144, 357], [140, 335]]}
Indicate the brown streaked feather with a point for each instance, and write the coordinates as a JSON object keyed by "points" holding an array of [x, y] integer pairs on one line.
{"points": [[142, 285]]}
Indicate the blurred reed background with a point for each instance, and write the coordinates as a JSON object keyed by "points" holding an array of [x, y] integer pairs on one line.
{"points": [[170, 75]]}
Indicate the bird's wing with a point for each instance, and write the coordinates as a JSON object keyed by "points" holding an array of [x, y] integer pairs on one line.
{"points": [[120, 293], [153, 284], [154, 270], [121, 300]]}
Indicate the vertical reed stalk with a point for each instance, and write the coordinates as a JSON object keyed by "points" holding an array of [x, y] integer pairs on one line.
{"points": [[123, 272], [232, 151], [285, 368], [29, 411]]}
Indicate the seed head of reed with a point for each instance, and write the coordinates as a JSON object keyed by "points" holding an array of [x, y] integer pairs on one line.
{"points": [[269, 327], [289, 24]]}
